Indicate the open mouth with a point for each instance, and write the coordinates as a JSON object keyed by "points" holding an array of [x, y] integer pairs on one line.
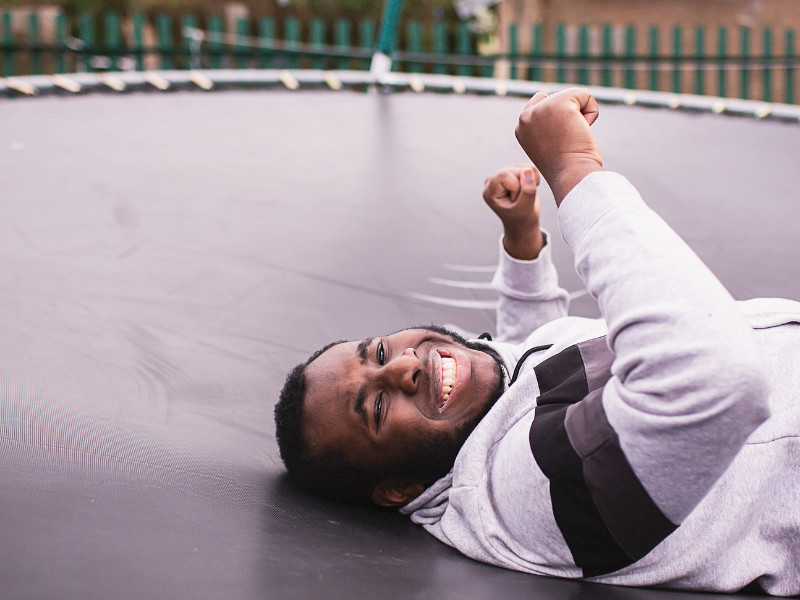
{"points": [[447, 379]]}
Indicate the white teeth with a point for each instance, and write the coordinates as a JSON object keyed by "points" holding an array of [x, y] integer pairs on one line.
{"points": [[446, 389], [446, 397], [448, 381]]}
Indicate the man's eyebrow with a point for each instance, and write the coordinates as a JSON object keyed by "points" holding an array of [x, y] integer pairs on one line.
{"points": [[361, 351], [359, 408]]}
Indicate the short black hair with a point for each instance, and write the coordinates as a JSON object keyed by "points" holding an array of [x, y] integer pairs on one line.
{"points": [[330, 475]]}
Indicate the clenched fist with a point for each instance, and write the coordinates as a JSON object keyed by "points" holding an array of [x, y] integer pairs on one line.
{"points": [[511, 194], [554, 131]]}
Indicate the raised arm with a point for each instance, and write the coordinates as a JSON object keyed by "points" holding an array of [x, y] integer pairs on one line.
{"points": [[526, 278], [687, 385]]}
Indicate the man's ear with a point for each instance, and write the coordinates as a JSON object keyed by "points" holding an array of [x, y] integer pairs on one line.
{"points": [[396, 491]]}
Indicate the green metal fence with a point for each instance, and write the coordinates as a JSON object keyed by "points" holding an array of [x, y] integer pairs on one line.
{"points": [[721, 61]]}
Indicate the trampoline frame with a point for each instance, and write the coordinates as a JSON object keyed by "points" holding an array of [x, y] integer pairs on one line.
{"points": [[207, 80]]}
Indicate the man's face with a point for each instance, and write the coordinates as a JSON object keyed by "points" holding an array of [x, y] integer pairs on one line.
{"points": [[384, 399]]}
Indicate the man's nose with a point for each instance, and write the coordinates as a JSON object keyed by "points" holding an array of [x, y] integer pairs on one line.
{"points": [[403, 371]]}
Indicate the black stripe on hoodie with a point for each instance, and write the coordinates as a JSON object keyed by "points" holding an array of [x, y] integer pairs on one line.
{"points": [[604, 513]]}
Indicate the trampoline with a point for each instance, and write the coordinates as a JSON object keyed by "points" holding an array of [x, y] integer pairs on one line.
{"points": [[167, 258]]}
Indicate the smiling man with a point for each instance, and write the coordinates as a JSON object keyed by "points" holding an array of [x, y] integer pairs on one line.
{"points": [[659, 445]]}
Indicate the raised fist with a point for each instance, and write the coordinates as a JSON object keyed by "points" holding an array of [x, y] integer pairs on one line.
{"points": [[554, 131]]}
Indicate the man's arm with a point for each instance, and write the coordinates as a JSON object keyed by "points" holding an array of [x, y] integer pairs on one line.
{"points": [[526, 278], [687, 385]]}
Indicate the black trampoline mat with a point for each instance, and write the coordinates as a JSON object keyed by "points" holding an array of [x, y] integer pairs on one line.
{"points": [[166, 259]]}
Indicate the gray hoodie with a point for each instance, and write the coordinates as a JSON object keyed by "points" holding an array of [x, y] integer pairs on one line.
{"points": [[656, 446]]}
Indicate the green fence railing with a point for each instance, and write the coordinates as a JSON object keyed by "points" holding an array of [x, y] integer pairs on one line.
{"points": [[729, 62]]}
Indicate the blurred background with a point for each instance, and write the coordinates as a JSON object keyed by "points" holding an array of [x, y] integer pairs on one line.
{"points": [[728, 48]]}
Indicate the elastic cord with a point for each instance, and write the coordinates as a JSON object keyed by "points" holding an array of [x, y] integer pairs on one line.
{"points": [[524, 357]]}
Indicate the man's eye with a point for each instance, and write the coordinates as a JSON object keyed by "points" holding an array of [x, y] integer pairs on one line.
{"points": [[378, 410], [381, 356]]}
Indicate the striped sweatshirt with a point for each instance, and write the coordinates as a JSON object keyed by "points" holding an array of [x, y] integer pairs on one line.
{"points": [[657, 446]]}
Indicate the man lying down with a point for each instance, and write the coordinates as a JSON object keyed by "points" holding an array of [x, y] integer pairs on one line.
{"points": [[656, 446]]}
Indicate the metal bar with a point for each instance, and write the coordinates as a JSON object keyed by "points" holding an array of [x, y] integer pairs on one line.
{"points": [[767, 71], [34, 41], [463, 47], [242, 27], [366, 37], [744, 51], [9, 58], [191, 46], [61, 43], [291, 34], [789, 81], [583, 50], [722, 53], [414, 44], [215, 41], [164, 27], [536, 52], [87, 37], [608, 53], [561, 52], [316, 35], [138, 40], [113, 39], [699, 53], [342, 38], [513, 49], [440, 44], [677, 50], [654, 54], [389, 25], [630, 52], [266, 33]]}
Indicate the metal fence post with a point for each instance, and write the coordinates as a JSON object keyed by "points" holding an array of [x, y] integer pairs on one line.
{"points": [[440, 44], [113, 39], [463, 47], [291, 34], [366, 36], [242, 49], [536, 52], [654, 72], [790, 54], [583, 49], [561, 52], [215, 41], [513, 49], [744, 45], [61, 42], [630, 54], [389, 25], [722, 53], [677, 43], [316, 33], [87, 37], [35, 43], [189, 47], [164, 26], [8, 39], [414, 43], [700, 55], [138, 40], [608, 54], [266, 33], [342, 37], [767, 79]]}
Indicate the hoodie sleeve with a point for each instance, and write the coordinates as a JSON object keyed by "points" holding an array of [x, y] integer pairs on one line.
{"points": [[687, 386], [529, 294]]}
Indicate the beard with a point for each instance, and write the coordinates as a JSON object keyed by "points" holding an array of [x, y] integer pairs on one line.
{"points": [[430, 459]]}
